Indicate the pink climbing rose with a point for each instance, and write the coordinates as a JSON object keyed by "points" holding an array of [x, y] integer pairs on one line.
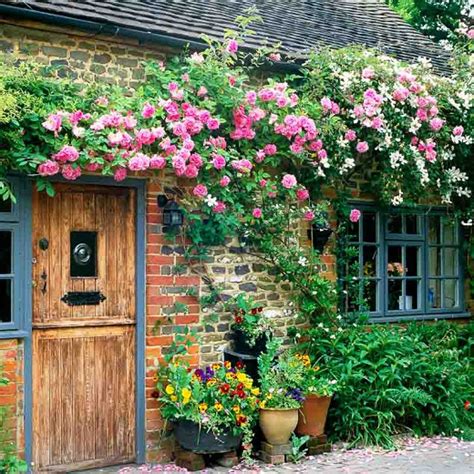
{"points": [[225, 180], [148, 111], [71, 173], [362, 147], [289, 181], [219, 207], [302, 194], [48, 168], [309, 215], [232, 46], [354, 216], [67, 153], [200, 190], [120, 174], [257, 213]]}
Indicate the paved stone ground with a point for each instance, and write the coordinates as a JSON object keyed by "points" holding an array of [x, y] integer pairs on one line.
{"points": [[415, 456]]}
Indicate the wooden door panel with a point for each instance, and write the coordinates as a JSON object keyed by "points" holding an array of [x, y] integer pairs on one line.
{"points": [[84, 356], [85, 378], [84, 208]]}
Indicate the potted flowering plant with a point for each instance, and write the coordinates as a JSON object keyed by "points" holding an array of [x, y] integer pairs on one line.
{"points": [[213, 409], [281, 378], [319, 388], [251, 328]]}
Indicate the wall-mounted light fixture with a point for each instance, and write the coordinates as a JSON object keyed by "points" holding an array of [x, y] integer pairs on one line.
{"points": [[173, 216]]}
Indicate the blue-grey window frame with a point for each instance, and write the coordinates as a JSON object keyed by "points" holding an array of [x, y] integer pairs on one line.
{"points": [[384, 239]]}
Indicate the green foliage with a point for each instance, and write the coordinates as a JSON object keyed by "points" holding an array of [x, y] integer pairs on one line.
{"points": [[298, 448], [395, 379]]}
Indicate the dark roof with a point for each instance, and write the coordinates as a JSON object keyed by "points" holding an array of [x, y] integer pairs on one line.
{"points": [[298, 24]]}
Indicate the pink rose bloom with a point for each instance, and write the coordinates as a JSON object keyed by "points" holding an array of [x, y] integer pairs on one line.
{"points": [[114, 139], [67, 153], [251, 97], [422, 114], [196, 160], [191, 171], [309, 216], [157, 162], [470, 34], [270, 149], [289, 181], [185, 77], [350, 135], [436, 124], [232, 46], [274, 57], [148, 111], [326, 103], [120, 174], [129, 122], [197, 58], [225, 180], [335, 109], [322, 154], [459, 130], [262, 183], [401, 94], [53, 123], [202, 91], [368, 73], [102, 101], [158, 132], [232, 80], [377, 123], [48, 168], [213, 124], [218, 162], [302, 194], [70, 173], [200, 190], [219, 207], [362, 147], [354, 216], [139, 162], [260, 156], [92, 167], [257, 213]]}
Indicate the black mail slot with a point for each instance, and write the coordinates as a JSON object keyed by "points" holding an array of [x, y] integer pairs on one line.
{"points": [[83, 298]]}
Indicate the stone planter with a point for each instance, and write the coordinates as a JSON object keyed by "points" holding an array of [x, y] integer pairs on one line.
{"points": [[194, 438], [312, 416], [277, 424]]}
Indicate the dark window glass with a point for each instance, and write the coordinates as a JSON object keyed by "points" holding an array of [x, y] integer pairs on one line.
{"points": [[369, 260], [394, 224], [5, 301], [412, 261], [370, 294], [434, 236], [412, 295], [411, 223], [369, 227], [395, 300], [5, 206], [5, 252]]}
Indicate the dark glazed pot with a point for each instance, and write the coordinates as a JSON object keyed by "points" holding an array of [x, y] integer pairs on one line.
{"points": [[241, 344], [193, 437]]}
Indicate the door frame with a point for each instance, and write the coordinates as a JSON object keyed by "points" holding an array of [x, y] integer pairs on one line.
{"points": [[140, 297]]}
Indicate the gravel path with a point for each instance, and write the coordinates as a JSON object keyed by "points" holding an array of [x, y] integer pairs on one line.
{"points": [[418, 456]]}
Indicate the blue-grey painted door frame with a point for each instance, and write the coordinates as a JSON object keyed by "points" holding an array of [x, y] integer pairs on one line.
{"points": [[140, 186]]}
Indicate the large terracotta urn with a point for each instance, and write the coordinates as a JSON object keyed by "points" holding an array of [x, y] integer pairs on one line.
{"points": [[312, 416], [278, 424]]}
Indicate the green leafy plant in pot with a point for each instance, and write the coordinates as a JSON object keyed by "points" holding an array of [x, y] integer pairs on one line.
{"points": [[281, 378], [319, 387], [251, 329]]}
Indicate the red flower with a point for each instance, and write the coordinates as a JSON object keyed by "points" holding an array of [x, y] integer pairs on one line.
{"points": [[155, 394], [238, 319], [224, 388], [241, 420], [467, 405], [241, 394], [254, 311], [240, 387], [260, 309], [239, 365]]}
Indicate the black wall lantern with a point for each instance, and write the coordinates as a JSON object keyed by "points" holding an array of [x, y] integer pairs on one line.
{"points": [[319, 237], [173, 216]]}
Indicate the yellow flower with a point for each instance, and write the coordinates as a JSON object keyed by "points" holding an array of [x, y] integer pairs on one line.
{"points": [[227, 364], [248, 383], [263, 404], [186, 393], [316, 368], [202, 407], [269, 396], [256, 391], [174, 398], [216, 366], [229, 376], [218, 406], [169, 389], [211, 382], [236, 409], [306, 360], [241, 377]]}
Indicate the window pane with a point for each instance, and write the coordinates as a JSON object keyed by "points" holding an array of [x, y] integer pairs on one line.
{"points": [[434, 263], [450, 261], [5, 301], [5, 252], [394, 224], [369, 260], [449, 232], [395, 301], [450, 293], [411, 224], [412, 261], [395, 259], [370, 294], [369, 227], [434, 294], [353, 231], [434, 230], [5, 206], [412, 297]]}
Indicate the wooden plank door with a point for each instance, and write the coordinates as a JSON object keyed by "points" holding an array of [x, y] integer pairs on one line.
{"points": [[83, 327]]}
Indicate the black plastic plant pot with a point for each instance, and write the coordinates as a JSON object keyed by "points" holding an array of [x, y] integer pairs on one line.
{"points": [[250, 362], [241, 343], [193, 437]]}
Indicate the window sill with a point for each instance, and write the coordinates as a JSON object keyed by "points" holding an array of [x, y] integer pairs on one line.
{"points": [[419, 317], [13, 334]]}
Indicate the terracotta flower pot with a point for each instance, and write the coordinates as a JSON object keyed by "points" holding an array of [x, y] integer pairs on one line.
{"points": [[312, 415], [277, 424]]}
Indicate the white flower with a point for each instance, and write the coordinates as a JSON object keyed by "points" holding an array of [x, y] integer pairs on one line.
{"points": [[397, 159], [210, 200], [398, 199], [414, 126], [467, 223], [303, 261]]}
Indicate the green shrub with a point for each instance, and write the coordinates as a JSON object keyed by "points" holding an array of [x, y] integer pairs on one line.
{"points": [[396, 379]]}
